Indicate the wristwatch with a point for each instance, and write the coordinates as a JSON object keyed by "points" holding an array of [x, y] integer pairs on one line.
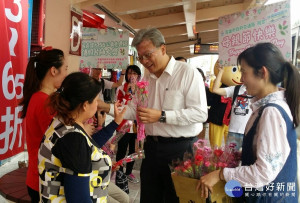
{"points": [[163, 118]]}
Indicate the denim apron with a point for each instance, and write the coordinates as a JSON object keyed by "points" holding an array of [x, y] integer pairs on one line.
{"points": [[288, 174]]}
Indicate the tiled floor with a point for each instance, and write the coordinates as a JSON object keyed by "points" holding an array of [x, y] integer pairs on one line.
{"points": [[134, 189]]}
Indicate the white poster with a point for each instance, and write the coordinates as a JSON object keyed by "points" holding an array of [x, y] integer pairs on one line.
{"points": [[242, 30], [104, 48]]}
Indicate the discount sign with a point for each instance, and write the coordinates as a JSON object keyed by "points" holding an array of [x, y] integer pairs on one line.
{"points": [[13, 60]]}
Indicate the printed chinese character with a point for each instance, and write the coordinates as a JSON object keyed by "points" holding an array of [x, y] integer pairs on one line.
{"points": [[280, 186], [235, 40], [246, 37], [260, 189], [226, 42], [8, 129], [270, 31], [291, 186], [270, 187], [258, 35], [248, 188]]}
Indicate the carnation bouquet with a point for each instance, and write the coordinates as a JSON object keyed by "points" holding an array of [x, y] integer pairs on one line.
{"points": [[205, 160], [123, 128], [141, 100]]}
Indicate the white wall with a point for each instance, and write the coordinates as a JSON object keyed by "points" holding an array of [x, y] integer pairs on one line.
{"points": [[57, 29]]}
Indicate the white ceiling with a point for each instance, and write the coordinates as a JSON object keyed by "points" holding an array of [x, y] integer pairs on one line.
{"points": [[178, 20]]}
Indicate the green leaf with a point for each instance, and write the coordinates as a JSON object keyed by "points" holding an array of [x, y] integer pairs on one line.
{"points": [[283, 33], [285, 27], [280, 27]]}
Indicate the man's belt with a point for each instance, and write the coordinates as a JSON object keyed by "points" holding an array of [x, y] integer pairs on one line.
{"points": [[161, 139]]}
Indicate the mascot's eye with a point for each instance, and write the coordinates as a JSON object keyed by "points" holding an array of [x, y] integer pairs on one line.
{"points": [[234, 69]]}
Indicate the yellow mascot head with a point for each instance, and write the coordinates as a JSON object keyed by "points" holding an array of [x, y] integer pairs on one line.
{"points": [[231, 75]]}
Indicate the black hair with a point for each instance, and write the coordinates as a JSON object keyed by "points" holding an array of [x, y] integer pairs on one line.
{"points": [[36, 71], [134, 68], [268, 55], [180, 58], [202, 73], [76, 89]]}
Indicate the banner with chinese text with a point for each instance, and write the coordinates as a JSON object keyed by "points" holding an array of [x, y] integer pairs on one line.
{"points": [[242, 30], [104, 48], [13, 61]]}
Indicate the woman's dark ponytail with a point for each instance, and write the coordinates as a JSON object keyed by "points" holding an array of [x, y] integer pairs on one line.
{"points": [[36, 71], [292, 93]]}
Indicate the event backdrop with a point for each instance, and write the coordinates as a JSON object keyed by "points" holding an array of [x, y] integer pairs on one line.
{"points": [[241, 30], [104, 48]]}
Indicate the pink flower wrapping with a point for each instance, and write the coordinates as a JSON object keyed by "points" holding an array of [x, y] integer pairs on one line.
{"points": [[205, 160], [141, 100]]}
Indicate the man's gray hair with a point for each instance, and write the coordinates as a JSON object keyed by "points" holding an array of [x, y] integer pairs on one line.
{"points": [[152, 34]]}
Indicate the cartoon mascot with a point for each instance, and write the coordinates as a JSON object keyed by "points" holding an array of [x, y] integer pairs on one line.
{"points": [[220, 107]]}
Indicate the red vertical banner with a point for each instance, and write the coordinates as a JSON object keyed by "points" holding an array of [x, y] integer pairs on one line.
{"points": [[76, 32], [13, 61]]}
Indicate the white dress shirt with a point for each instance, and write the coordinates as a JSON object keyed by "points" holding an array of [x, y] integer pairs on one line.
{"points": [[180, 92], [270, 144]]}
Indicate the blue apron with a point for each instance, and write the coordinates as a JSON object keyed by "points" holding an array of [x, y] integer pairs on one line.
{"points": [[284, 187]]}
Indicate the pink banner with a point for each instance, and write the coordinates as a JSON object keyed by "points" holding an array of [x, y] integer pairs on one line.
{"points": [[13, 61], [239, 31]]}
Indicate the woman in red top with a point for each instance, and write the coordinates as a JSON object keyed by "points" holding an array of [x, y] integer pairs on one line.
{"points": [[44, 74]]}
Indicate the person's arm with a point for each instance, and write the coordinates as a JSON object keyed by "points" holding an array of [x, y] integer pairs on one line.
{"points": [[77, 188], [103, 135], [272, 150], [121, 79], [216, 87]]}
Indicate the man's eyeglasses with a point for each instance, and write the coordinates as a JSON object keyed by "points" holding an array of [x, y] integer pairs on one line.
{"points": [[145, 56]]}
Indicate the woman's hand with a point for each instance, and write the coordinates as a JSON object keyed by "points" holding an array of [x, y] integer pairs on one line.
{"points": [[207, 182], [131, 87], [115, 168], [118, 114], [112, 147], [89, 128], [101, 115]]}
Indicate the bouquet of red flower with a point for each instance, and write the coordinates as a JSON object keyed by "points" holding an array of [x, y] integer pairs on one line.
{"points": [[205, 160]]}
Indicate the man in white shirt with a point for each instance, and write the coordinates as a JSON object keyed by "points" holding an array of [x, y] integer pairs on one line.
{"points": [[176, 110]]}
